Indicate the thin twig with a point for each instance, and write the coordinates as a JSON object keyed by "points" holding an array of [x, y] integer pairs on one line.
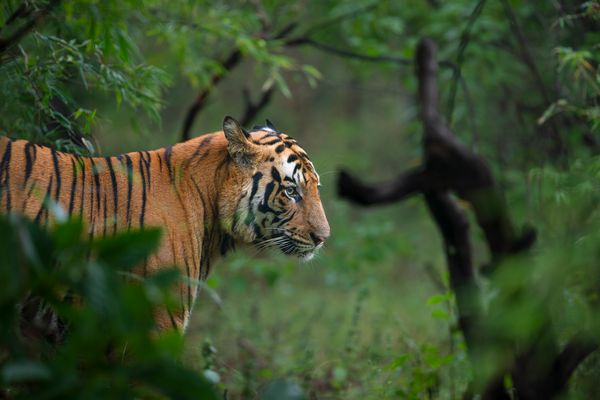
{"points": [[523, 45], [21, 12], [252, 109], [230, 62], [346, 53], [235, 57], [558, 147], [465, 37], [332, 21], [36, 19]]}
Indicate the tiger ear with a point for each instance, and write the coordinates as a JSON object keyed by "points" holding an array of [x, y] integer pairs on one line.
{"points": [[270, 125], [240, 148]]}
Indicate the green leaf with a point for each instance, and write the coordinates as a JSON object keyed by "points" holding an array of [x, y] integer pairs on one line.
{"points": [[127, 249]]}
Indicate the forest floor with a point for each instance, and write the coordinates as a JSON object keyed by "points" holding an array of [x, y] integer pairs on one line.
{"points": [[368, 318]]}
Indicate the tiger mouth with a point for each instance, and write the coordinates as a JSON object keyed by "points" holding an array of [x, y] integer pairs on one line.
{"points": [[289, 245], [296, 248]]}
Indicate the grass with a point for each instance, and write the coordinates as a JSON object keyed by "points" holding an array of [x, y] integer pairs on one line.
{"points": [[362, 321]]}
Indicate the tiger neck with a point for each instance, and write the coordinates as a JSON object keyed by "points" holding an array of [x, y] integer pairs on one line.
{"points": [[203, 169]]}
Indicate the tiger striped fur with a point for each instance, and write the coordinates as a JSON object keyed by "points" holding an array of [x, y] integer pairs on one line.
{"points": [[207, 194]]}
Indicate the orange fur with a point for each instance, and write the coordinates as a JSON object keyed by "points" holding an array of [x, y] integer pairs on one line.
{"points": [[203, 193]]}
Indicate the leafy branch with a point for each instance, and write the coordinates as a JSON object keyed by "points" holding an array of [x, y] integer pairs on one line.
{"points": [[32, 19]]}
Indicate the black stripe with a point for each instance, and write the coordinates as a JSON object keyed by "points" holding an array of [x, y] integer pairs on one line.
{"points": [[275, 175], [266, 135], [113, 180], [189, 284], [96, 174], [172, 320], [202, 144], [5, 175], [292, 158], [104, 216], [264, 206], [206, 238], [168, 153], [73, 185], [288, 219], [129, 165], [82, 165], [272, 142], [173, 252], [255, 179], [147, 165], [56, 172], [143, 210], [28, 161], [38, 217], [28, 196]]}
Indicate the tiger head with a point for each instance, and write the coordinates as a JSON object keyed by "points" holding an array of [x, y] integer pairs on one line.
{"points": [[274, 198]]}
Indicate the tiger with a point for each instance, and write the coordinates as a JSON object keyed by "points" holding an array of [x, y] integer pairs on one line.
{"points": [[208, 194]]}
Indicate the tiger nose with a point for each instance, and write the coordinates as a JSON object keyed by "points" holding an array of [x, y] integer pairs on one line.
{"points": [[317, 239]]}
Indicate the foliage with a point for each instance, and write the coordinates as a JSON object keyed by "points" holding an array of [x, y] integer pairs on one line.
{"points": [[373, 317], [110, 349]]}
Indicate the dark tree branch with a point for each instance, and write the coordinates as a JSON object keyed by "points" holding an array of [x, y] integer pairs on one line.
{"points": [[235, 57], [286, 30], [539, 369], [252, 109], [454, 227], [23, 12], [565, 364], [465, 38], [230, 62], [409, 183], [304, 40]]}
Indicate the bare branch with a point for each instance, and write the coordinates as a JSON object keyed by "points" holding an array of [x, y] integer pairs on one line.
{"points": [[332, 21], [557, 145], [524, 51], [407, 184], [21, 12], [465, 38], [346, 53], [454, 227], [36, 18], [252, 109], [230, 62]]}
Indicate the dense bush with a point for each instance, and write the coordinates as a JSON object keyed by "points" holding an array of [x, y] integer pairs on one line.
{"points": [[109, 348]]}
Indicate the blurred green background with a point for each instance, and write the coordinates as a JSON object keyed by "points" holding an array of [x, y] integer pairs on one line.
{"points": [[372, 317]]}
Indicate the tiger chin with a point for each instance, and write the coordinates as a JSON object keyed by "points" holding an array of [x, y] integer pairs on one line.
{"points": [[208, 194]]}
